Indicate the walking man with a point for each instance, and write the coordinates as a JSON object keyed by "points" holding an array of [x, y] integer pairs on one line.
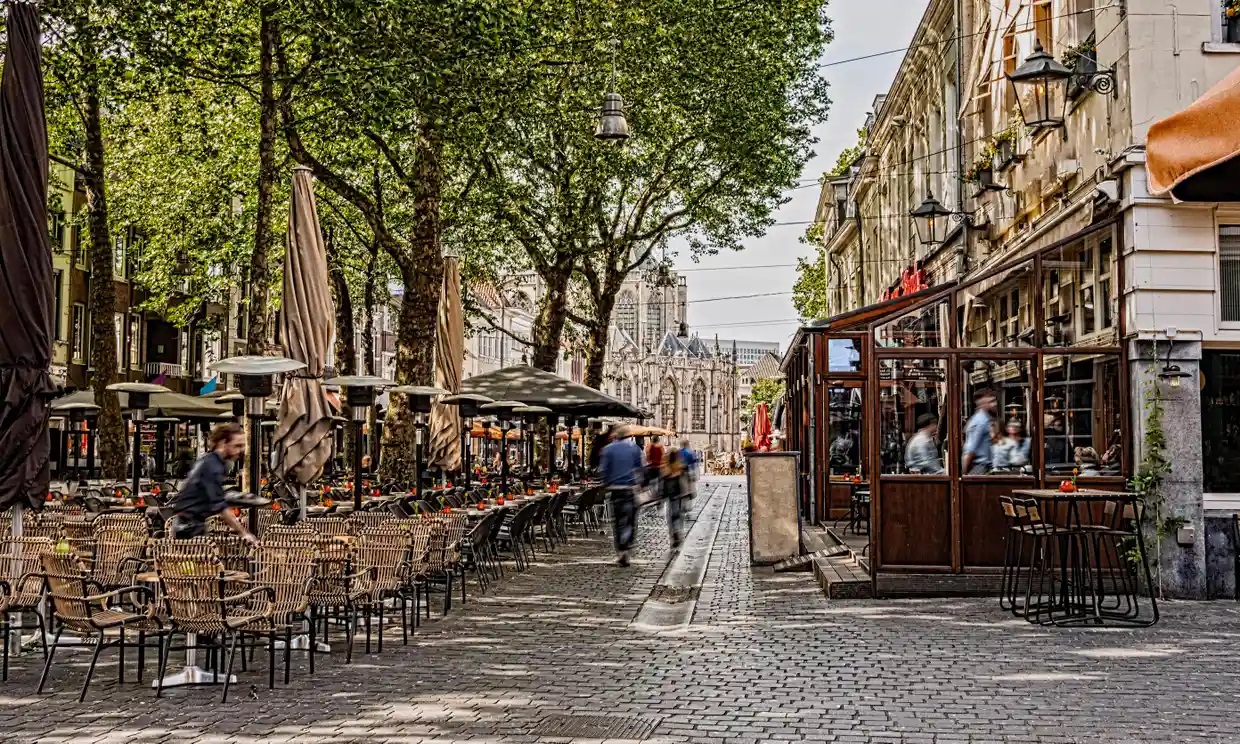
{"points": [[620, 467], [202, 495]]}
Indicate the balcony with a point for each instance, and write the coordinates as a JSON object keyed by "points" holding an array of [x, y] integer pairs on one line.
{"points": [[155, 369]]}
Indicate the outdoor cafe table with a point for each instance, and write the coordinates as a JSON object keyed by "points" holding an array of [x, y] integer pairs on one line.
{"points": [[191, 673], [1073, 511]]}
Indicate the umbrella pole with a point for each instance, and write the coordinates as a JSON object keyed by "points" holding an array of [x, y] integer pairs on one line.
{"points": [[503, 458], [136, 420], [90, 450], [357, 465], [417, 454], [301, 502]]}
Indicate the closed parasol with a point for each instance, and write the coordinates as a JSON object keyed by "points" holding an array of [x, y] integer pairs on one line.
{"points": [[1194, 154], [445, 426], [25, 268], [303, 438], [762, 427]]}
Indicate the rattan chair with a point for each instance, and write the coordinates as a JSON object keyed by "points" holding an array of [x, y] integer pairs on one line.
{"points": [[21, 589], [200, 599], [118, 557], [331, 526], [286, 566], [382, 552], [89, 610], [337, 588]]}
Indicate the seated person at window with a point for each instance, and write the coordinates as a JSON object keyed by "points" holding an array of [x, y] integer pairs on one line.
{"points": [[922, 453], [1012, 451], [1113, 457], [1087, 461]]}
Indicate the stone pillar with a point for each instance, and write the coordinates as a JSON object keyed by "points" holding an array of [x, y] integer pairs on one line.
{"points": [[1182, 566]]}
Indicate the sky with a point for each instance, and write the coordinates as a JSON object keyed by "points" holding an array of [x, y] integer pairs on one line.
{"points": [[768, 264]]}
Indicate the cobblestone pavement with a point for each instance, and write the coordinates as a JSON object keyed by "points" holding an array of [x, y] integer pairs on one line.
{"points": [[766, 659]]}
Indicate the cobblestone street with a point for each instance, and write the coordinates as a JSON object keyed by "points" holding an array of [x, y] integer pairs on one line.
{"points": [[766, 658]]}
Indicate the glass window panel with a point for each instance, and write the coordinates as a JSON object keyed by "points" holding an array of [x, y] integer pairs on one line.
{"points": [[920, 328], [1220, 421], [998, 311], [996, 431], [843, 355], [911, 395], [1082, 415], [1079, 292], [844, 432]]}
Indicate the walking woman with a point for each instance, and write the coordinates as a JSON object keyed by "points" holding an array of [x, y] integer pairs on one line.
{"points": [[675, 486]]}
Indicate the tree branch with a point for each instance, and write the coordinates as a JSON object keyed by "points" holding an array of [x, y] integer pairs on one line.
{"points": [[491, 322]]}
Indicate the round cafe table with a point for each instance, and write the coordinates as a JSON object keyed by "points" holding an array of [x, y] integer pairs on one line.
{"points": [[191, 673]]}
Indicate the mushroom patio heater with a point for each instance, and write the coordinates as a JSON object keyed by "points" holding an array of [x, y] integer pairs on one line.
{"points": [[360, 393], [419, 397], [237, 400], [529, 418], [256, 381], [502, 410], [78, 413], [467, 407], [139, 400]]}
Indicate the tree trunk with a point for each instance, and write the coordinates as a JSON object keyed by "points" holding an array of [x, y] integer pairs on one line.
{"points": [[596, 348], [346, 357], [368, 315], [111, 429], [256, 326], [552, 315]]}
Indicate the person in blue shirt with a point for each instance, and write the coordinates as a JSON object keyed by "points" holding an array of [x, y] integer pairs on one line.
{"points": [[202, 494], [977, 456], [690, 460], [620, 468]]}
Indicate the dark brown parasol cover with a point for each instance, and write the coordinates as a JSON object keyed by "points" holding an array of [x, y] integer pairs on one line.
{"points": [[25, 268]]}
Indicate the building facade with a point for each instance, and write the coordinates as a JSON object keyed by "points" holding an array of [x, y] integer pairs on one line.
{"points": [[1139, 292]]}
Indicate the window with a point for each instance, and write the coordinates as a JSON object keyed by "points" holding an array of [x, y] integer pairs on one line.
{"points": [[667, 405], [1043, 24], [626, 391], [135, 341], [1080, 294], [1011, 60], [79, 331], [996, 431], [1220, 421], [997, 311], [1083, 19], [118, 323], [1229, 271], [56, 231], [58, 282], [654, 320], [923, 327], [119, 261], [626, 314], [844, 432], [698, 406], [843, 355], [1082, 415], [911, 395]]}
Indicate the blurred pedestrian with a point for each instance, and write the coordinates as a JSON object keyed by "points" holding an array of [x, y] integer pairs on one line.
{"points": [[202, 495], [620, 467], [674, 485], [692, 465], [654, 461]]}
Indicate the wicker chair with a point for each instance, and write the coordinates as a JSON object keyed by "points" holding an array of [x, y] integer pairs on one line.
{"points": [[119, 556], [84, 607], [337, 587], [286, 566], [21, 589], [132, 523], [234, 551], [383, 553], [363, 520], [199, 599], [331, 526]]}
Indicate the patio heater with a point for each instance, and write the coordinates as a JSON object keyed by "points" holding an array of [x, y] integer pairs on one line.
{"points": [[161, 443], [360, 392], [529, 418], [78, 413], [467, 405], [502, 410], [237, 400], [420, 398], [255, 381], [139, 400]]}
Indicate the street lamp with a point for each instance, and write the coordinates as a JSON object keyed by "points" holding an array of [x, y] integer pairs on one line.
{"points": [[612, 126], [360, 392], [502, 410], [932, 220], [467, 407], [139, 400], [419, 397], [255, 381], [1043, 80]]}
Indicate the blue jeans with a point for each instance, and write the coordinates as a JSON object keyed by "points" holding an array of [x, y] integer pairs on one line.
{"points": [[624, 516]]}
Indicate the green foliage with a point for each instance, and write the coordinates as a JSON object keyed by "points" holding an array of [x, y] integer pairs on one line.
{"points": [[848, 156], [809, 292], [764, 391]]}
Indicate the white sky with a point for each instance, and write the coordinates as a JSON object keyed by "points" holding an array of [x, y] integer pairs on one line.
{"points": [[767, 264]]}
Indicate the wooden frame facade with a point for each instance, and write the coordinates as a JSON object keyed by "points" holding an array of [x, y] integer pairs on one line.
{"points": [[950, 522]]}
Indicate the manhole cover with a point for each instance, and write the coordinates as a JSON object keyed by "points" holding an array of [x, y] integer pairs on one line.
{"points": [[598, 727], [675, 594]]}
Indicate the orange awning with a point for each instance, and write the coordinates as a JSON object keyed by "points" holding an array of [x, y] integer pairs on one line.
{"points": [[1193, 153]]}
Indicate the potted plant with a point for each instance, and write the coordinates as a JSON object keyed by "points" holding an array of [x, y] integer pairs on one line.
{"points": [[1231, 21], [1004, 146], [982, 171], [1082, 59]]}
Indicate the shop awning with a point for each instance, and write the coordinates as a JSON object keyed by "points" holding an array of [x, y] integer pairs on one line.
{"points": [[1194, 154]]}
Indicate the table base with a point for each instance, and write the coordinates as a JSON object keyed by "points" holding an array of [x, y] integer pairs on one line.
{"points": [[302, 643], [192, 675]]}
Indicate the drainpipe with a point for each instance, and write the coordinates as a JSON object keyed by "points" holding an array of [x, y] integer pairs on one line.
{"points": [[962, 252], [865, 298], [813, 439]]}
